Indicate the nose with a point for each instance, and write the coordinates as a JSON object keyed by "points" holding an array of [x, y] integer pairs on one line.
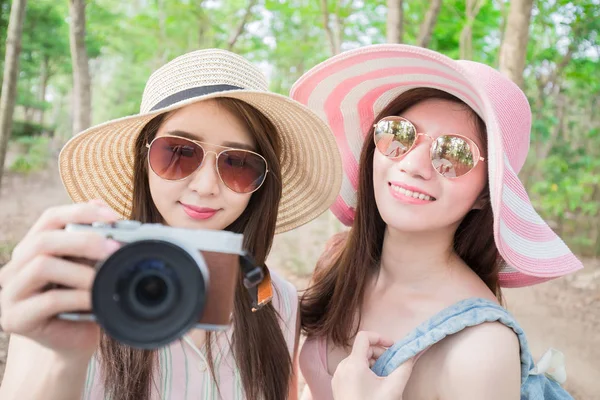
{"points": [[205, 180], [417, 162]]}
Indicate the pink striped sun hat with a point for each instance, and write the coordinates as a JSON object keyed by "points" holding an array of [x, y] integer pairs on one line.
{"points": [[350, 89]]}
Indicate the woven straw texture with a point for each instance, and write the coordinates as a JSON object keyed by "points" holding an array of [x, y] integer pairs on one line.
{"points": [[98, 162]]}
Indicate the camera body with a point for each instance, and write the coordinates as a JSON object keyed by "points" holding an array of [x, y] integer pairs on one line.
{"points": [[164, 281]]}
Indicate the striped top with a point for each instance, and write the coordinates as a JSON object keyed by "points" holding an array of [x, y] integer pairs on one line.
{"points": [[182, 373]]}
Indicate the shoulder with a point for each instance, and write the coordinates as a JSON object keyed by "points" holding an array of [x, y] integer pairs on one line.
{"points": [[482, 361]]}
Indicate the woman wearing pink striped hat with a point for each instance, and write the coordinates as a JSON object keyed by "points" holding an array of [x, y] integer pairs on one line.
{"points": [[439, 221]]}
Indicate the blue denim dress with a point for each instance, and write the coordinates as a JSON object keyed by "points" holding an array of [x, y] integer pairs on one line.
{"points": [[537, 382]]}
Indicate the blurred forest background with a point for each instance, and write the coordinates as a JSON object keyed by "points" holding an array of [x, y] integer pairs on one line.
{"points": [[70, 64], [84, 62]]}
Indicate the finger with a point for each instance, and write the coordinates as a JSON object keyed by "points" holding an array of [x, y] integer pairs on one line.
{"points": [[81, 213], [34, 312], [377, 351], [397, 380], [88, 245], [60, 243], [364, 342], [44, 270], [59, 217]]}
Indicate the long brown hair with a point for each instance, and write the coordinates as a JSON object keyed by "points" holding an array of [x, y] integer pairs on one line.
{"points": [[328, 306], [258, 344]]}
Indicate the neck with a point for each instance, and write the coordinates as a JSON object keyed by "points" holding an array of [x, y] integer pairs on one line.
{"points": [[415, 258]]}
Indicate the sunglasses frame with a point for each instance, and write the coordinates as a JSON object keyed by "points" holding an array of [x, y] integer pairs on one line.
{"points": [[417, 134], [217, 155]]}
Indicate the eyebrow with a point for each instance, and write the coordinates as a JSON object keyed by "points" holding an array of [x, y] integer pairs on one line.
{"points": [[191, 136]]}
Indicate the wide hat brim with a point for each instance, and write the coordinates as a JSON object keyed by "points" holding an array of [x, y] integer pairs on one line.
{"points": [[349, 90], [98, 162]]}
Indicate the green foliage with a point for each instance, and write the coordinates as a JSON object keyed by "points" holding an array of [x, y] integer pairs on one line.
{"points": [[127, 40], [6, 250], [35, 154], [24, 129]]}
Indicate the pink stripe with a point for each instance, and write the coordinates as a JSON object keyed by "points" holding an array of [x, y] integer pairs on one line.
{"points": [[527, 230], [543, 268], [517, 279], [513, 182], [365, 106], [343, 212], [309, 82], [335, 117]]}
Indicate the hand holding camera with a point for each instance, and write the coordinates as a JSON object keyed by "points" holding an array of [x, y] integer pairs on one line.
{"points": [[27, 309], [152, 283], [162, 281]]}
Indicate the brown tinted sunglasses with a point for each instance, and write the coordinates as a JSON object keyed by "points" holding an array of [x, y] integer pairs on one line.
{"points": [[175, 158]]}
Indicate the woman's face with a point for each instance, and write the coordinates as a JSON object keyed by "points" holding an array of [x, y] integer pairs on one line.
{"points": [[450, 199], [202, 201]]}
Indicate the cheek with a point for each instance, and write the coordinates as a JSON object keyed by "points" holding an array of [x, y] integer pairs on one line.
{"points": [[157, 187], [381, 164], [164, 192], [465, 191], [236, 202]]}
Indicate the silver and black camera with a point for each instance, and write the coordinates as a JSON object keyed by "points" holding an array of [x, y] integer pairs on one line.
{"points": [[164, 281]]}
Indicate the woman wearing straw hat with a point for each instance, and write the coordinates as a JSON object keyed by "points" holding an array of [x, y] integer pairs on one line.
{"points": [[431, 148], [215, 104]]}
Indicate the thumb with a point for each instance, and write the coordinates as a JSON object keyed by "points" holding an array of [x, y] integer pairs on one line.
{"points": [[396, 381]]}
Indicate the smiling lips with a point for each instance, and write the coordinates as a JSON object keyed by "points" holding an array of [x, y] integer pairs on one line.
{"points": [[408, 194], [199, 213]]}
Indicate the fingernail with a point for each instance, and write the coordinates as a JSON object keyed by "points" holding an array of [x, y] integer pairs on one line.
{"points": [[111, 246]]}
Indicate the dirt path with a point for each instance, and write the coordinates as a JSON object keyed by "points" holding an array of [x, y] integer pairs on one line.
{"points": [[564, 314]]}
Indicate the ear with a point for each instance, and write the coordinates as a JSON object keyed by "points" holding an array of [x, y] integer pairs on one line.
{"points": [[482, 200]]}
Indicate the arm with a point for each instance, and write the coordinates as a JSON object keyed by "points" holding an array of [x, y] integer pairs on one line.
{"points": [[482, 362], [34, 372]]}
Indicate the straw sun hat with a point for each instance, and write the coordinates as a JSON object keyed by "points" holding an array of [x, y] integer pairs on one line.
{"points": [[98, 162], [350, 89]]}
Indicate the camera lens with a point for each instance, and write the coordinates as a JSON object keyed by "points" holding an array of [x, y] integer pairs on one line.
{"points": [[151, 290]]}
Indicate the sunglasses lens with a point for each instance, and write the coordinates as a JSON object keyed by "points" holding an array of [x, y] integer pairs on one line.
{"points": [[174, 158], [242, 171], [394, 137], [453, 156]]}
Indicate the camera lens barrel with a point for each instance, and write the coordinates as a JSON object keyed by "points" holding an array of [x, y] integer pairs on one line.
{"points": [[150, 292]]}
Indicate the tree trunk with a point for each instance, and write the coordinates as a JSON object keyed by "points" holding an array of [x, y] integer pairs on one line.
{"points": [[28, 112], [333, 36], [542, 149], [514, 45], [428, 23], [240, 28], [162, 28], [395, 19], [82, 102], [44, 76], [8, 97], [204, 41], [466, 35]]}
